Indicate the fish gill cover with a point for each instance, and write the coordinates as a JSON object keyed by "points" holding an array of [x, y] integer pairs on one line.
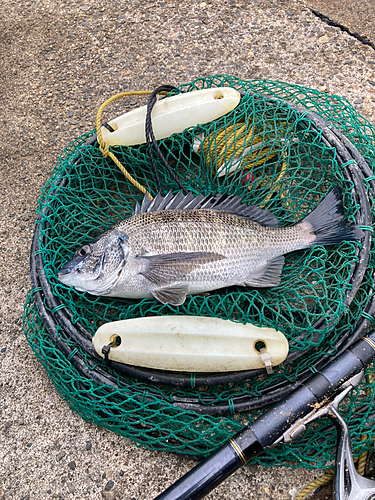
{"points": [[273, 155]]}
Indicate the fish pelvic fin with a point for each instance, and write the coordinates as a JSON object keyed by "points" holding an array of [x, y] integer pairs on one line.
{"points": [[327, 224], [168, 268], [268, 275], [174, 295]]}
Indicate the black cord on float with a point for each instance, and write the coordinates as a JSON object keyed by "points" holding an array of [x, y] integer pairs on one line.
{"points": [[106, 349], [108, 127], [150, 137]]}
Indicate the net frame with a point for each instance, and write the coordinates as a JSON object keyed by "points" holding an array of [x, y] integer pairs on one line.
{"points": [[54, 315], [346, 155]]}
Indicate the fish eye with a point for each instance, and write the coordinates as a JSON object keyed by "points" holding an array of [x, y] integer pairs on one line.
{"points": [[84, 250]]}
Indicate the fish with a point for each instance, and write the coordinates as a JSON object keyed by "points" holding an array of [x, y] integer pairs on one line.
{"points": [[185, 244]]}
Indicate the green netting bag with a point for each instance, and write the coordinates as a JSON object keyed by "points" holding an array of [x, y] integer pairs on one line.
{"points": [[275, 153]]}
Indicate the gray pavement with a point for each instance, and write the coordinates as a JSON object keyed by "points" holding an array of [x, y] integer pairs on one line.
{"points": [[59, 61]]}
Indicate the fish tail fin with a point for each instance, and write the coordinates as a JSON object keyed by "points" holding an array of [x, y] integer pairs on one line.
{"points": [[327, 222]]}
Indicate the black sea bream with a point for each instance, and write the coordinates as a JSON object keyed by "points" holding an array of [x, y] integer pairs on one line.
{"points": [[179, 245]]}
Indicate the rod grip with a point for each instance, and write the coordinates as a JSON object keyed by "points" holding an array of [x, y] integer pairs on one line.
{"points": [[211, 471], [267, 428]]}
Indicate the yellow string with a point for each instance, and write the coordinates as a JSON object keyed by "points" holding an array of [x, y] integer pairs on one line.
{"points": [[330, 474], [362, 459], [104, 147], [231, 141], [320, 481]]}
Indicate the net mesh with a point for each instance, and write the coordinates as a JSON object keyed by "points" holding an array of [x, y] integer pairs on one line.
{"points": [[273, 157]]}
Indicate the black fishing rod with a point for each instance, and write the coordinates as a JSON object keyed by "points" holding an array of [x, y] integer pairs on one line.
{"points": [[285, 422]]}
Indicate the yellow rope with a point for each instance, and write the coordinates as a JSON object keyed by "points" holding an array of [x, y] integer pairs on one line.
{"points": [[370, 388], [330, 473], [362, 459], [320, 481], [279, 177], [104, 147], [231, 141]]}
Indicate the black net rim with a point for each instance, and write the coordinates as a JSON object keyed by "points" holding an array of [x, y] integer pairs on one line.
{"points": [[53, 314]]}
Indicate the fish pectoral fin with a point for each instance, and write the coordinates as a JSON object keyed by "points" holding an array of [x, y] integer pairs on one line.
{"points": [[268, 275], [166, 268], [173, 294]]}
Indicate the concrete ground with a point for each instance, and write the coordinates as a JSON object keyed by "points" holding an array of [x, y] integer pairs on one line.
{"points": [[59, 61]]}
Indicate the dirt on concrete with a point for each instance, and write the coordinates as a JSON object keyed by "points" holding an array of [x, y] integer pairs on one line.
{"points": [[59, 61]]}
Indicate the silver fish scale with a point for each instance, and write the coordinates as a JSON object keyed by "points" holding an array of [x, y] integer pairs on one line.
{"points": [[245, 244]]}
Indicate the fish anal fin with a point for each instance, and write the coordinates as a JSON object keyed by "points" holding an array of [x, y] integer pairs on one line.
{"points": [[174, 295], [166, 268], [267, 276]]}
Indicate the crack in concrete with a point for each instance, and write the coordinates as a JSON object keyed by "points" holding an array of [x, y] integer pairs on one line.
{"points": [[330, 22]]}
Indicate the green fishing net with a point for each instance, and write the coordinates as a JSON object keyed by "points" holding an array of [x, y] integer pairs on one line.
{"points": [[272, 155]]}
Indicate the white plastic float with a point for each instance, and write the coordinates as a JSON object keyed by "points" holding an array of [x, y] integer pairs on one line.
{"points": [[191, 344], [172, 115]]}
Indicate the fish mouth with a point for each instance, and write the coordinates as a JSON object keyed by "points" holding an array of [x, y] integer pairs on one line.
{"points": [[66, 276], [68, 272], [69, 278], [64, 272]]}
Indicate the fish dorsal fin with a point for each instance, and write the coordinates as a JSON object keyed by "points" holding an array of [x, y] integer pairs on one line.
{"points": [[234, 205], [230, 203], [146, 202], [164, 202], [137, 209], [260, 215], [155, 203]]}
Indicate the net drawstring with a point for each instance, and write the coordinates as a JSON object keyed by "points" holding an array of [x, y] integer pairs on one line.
{"points": [[104, 147], [149, 133]]}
